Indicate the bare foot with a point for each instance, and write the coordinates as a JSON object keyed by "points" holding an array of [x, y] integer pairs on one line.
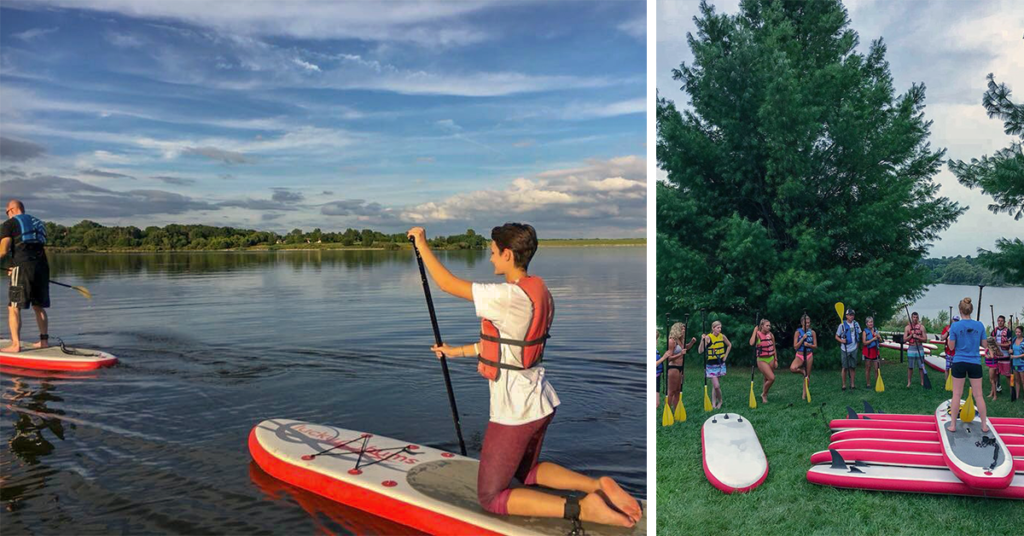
{"points": [[594, 509], [764, 399], [984, 428], [41, 344], [620, 499], [12, 349], [953, 429]]}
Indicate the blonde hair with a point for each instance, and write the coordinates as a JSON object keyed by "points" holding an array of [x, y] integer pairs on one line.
{"points": [[966, 307], [715, 323], [762, 323], [676, 331]]}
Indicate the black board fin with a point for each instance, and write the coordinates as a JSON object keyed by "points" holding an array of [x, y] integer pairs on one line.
{"points": [[868, 408], [850, 414], [837, 459]]}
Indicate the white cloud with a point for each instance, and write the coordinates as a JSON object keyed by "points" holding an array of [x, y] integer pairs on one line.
{"points": [[34, 33], [635, 28], [306, 65]]}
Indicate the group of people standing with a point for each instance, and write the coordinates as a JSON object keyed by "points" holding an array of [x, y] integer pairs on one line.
{"points": [[1007, 352]]}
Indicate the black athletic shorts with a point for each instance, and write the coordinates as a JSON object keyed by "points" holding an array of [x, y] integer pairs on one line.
{"points": [[30, 285], [970, 370]]}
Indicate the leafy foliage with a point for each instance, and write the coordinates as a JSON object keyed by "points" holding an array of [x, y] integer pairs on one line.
{"points": [[798, 179]]}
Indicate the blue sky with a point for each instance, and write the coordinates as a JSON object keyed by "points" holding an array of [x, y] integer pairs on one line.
{"points": [[311, 114], [948, 45]]}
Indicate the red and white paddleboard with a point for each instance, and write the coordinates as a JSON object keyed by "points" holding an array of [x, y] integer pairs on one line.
{"points": [[896, 346], [734, 461], [913, 425], [894, 457], [56, 358], [424, 488], [912, 435], [936, 362], [980, 459], [937, 480], [1016, 421]]}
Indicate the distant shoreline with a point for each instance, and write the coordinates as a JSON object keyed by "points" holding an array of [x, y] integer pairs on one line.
{"points": [[554, 242]]}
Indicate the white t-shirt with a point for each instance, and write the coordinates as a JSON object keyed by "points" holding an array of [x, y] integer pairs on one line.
{"points": [[517, 397]]}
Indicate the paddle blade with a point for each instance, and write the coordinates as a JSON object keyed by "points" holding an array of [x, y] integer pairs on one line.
{"points": [[707, 400], [807, 389], [949, 382], [967, 410], [680, 411], [753, 401], [925, 378], [1013, 390], [666, 415], [84, 292], [840, 309], [879, 385]]}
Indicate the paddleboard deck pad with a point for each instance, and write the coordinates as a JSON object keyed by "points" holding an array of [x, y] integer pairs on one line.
{"points": [[734, 461], [56, 358], [980, 459], [935, 480], [421, 487]]}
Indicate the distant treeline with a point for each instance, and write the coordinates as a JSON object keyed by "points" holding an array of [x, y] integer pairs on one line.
{"points": [[962, 270], [91, 236]]}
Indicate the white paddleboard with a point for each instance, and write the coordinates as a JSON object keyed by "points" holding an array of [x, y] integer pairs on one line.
{"points": [[56, 358], [421, 487], [734, 461], [980, 459]]}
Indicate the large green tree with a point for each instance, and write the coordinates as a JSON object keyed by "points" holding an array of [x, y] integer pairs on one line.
{"points": [[797, 178], [1002, 177]]}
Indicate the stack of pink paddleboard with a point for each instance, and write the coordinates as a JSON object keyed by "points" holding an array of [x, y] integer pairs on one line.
{"points": [[917, 453]]}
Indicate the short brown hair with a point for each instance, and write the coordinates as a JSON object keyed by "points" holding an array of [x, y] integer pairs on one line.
{"points": [[521, 238]]}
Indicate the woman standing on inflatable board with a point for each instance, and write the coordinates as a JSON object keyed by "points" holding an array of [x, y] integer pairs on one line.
{"points": [[675, 359], [870, 340], [804, 342], [967, 336], [718, 347], [764, 350], [1017, 352], [516, 319]]}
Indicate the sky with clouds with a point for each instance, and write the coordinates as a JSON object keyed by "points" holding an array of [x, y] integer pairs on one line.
{"points": [[275, 115], [950, 46]]}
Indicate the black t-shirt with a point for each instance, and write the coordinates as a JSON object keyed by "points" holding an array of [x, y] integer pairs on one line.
{"points": [[23, 253]]}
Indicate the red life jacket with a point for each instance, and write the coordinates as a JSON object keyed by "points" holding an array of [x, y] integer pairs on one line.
{"points": [[765, 344], [916, 335], [536, 336]]}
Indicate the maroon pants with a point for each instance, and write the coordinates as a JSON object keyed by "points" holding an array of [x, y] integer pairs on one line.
{"points": [[508, 451]]}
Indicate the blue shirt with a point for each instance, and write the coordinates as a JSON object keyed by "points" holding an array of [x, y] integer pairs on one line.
{"points": [[967, 334]]}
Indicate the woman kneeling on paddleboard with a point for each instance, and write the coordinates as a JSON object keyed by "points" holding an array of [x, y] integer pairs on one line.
{"points": [[718, 347], [516, 319], [804, 342], [763, 342], [966, 336]]}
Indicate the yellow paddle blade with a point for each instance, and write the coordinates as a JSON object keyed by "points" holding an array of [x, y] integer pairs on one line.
{"points": [[680, 411], [84, 292], [840, 309], [879, 385], [753, 401], [967, 410], [807, 389], [707, 400], [949, 382], [666, 416]]}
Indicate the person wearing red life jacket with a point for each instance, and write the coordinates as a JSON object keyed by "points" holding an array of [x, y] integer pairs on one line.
{"points": [[516, 317]]}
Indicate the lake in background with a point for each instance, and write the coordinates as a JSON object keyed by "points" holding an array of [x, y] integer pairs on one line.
{"points": [[212, 343], [1007, 301]]}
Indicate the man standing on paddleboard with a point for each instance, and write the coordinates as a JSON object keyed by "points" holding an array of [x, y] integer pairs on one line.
{"points": [[847, 335], [23, 237], [516, 319]]}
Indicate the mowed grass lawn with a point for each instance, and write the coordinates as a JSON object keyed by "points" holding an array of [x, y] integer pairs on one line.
{"points": [[790, 431]]}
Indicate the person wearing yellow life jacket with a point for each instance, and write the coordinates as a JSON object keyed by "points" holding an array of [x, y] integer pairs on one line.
{"points": [[718, 347], [763, 342], [516, 317]]}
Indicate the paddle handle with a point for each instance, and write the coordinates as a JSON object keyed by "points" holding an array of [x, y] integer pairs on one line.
{"points": [[978, 317], [437, 341]]}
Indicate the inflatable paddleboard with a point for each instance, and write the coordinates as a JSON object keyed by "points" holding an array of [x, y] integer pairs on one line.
{"points": [[936, 362], [911, 435], [980, 459], [893, 457], [734, 461], [421, 487], [888, 424], [56, 358], [1013, 421], [935, 480], [896, 346]]}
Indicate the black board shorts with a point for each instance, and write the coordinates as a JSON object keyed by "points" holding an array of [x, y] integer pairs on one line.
{"points": [[30, 285], [962, 370]]}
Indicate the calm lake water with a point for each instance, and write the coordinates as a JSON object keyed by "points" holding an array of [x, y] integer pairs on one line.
{"points": [[1006, 300], [212, 343]]}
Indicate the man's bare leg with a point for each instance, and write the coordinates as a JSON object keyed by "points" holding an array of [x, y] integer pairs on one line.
{"points": [[14, 322], [594, 507], [44, 324]]}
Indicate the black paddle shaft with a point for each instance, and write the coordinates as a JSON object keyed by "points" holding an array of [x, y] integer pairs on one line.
{"points": [[437, 340]]}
